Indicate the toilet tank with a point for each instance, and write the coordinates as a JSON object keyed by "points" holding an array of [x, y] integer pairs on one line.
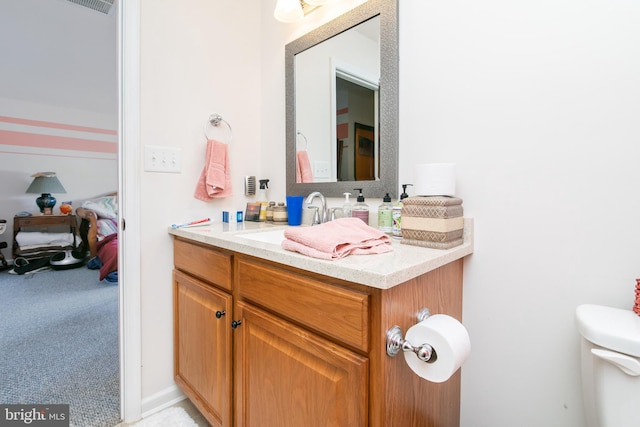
{"points": [[610, 361]]}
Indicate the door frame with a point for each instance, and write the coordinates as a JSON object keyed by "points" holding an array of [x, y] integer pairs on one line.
{"points": [[128, 43]]}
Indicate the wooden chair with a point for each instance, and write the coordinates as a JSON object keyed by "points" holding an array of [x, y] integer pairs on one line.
{"points": [[88, 230]]}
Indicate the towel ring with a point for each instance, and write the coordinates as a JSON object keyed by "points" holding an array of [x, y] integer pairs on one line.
{"points": [[214, 120], [306, 141]]}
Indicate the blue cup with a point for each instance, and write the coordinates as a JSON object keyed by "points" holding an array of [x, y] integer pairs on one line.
{"points": [[294, 209]]}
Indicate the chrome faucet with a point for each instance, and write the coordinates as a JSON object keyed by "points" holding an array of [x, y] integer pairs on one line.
{"points": [[322, 217]]}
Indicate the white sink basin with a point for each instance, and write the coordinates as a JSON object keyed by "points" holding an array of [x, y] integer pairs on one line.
{"points": [[275, 237]]}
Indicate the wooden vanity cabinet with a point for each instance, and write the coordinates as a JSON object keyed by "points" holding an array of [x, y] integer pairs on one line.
{"points": [[301, 359], [288, 377], [306, 349], [202, 306]]}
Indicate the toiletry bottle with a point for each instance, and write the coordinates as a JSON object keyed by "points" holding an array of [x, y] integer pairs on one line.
{"points": [[262, 199], [270, 207], [360, 209], [385, 217], [396, 215], [347, 207]]}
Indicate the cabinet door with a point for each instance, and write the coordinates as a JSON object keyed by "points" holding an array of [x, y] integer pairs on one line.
{"points": [[202, 346], [288, 377]]}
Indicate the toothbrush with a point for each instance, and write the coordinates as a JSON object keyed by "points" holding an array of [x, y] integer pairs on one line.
{"points": [[203, 221]]}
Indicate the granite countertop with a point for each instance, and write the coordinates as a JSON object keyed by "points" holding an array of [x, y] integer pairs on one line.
{"points": [[381, 271]]}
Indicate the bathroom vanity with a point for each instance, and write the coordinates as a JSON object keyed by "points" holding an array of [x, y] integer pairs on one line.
{"points": [[267, 337]]}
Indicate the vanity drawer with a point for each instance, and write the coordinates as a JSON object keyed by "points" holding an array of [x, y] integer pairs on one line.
{"points": [[203, 262], [332, 310]]}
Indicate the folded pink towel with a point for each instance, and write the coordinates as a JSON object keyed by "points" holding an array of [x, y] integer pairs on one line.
{"points": [[215, 179], [336, 239], [303, 167]]}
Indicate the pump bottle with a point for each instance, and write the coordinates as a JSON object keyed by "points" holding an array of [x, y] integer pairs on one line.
{"points": [[347, 207], [262, 199], [360, 209], [385, 218], [396, 215]]}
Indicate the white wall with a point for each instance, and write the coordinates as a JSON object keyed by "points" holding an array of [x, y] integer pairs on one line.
{"points": [[198, 57], [537, 104]]}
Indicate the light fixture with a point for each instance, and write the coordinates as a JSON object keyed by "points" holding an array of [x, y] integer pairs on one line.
{"points": [[45, 183], [295, 10], [288, 11]]}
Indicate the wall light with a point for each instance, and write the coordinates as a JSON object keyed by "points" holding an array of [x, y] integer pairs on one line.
{"points": [[294, 10], [315, 2], [288, 11]]}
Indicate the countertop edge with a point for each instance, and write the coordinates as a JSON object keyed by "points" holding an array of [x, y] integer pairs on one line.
{"points": [[382, 271]]}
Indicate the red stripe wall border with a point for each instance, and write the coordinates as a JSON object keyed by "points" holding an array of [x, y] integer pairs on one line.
{"points": [[54, 125], [56, 142]]}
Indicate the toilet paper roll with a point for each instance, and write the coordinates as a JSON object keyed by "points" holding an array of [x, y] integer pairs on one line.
{"points": [[435, 179], [450, 340]]}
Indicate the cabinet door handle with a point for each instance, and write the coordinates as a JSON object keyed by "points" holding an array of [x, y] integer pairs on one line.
{"points": [[235, 324], [219, 313]]}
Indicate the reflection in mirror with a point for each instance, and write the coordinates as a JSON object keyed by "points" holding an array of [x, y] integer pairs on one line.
{"points": [[337, 83], [356, 131], [342, 104]]}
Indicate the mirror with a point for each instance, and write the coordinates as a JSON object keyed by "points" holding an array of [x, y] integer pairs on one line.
{"points": [[342, 105]]}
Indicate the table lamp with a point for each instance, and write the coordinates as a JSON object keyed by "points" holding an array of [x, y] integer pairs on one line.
{"points": [[45, 183]]}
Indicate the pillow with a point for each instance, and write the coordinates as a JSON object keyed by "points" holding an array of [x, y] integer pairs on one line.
{"points": [[104, 207]]}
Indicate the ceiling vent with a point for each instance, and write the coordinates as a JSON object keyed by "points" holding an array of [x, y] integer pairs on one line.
{"points": [[103, 6]]}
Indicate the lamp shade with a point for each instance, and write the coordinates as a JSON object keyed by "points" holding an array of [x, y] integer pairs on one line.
{"points": [[45, 182], [288, 11], [315, 2]]}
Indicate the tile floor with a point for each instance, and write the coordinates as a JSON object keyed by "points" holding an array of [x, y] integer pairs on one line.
{"points": [[191, 410]]}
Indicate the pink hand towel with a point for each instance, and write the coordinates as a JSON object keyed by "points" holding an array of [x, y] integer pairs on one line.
{"points": [[337, 239], [303, 167], [215, 179]]}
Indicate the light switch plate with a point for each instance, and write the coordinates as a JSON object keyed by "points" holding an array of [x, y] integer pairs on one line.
{"points": [[162, 159], [321, 169]]}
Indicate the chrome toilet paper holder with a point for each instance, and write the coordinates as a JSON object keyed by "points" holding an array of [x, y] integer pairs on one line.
{"points": [[396, 342]]}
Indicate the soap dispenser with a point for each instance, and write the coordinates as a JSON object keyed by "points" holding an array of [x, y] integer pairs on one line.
{"points": [[262, 199], [385, 217], [360, 209], [396, 215], [347, 207]]}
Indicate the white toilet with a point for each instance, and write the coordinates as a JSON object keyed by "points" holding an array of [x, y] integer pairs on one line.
{"points": [[610, 355]]}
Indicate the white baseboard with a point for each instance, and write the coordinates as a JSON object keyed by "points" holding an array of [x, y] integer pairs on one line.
{"points": [[162, 400]]}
